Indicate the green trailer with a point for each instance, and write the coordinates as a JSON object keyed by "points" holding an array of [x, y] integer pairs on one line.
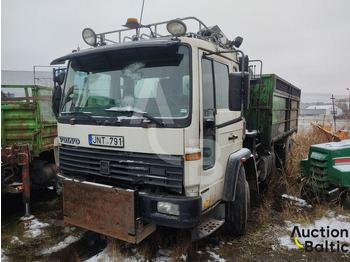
{"points": [[272, 116], [273, 111], [28, 130], [28, 119], [326, 171]]}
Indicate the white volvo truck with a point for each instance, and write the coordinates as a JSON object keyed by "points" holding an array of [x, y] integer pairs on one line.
{"points": [[151, 131]]}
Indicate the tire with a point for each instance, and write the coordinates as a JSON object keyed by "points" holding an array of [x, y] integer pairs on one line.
{"points": [[236, 212]]}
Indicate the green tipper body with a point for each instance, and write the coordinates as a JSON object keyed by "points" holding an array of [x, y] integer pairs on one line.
{"points": [[273, 109], [27, 118], [328, 165]]}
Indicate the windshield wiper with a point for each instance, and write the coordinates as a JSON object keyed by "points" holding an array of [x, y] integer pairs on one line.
{"points": [[131, 111], [88, 114]]}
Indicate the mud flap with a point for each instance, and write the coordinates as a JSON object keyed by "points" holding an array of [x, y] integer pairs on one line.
{"points": [[104, 209]]}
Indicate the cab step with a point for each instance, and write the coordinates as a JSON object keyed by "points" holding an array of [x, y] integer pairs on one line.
{"points": [[208, 226]]}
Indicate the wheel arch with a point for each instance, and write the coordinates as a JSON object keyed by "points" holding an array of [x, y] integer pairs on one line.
{"points": [[234, 162]]}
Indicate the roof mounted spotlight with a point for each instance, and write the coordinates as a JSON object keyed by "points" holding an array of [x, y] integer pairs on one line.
{"points": [[237, 41], [132, 23], [176, 28], [89, 37]]}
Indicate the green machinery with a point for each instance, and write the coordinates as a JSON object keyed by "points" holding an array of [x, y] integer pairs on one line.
{"points": [[273, 116], [327, 168], [28, 130]]}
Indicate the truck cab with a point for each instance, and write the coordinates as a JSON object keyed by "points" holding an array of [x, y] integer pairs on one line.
{"points": [[151, 130]]}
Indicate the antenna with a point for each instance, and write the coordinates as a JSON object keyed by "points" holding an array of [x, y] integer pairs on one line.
{"points": [[143, 3], [334, 112]]}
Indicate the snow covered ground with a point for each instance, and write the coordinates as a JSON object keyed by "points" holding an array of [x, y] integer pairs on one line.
{"points": [[336, 229], [268, 240], [63, 244], [163, 255], [329, 221], [284, 240], [33, 229]]}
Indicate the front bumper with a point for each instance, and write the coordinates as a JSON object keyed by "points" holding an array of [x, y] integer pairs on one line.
{"points": [[129, 215], [190, 210]]}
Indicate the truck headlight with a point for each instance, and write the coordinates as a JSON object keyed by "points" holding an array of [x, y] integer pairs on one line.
{"points": [[168, 208]]}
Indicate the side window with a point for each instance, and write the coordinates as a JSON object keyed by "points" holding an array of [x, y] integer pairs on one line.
{"points": [[208, 114], [221, 85], [208, 88]]}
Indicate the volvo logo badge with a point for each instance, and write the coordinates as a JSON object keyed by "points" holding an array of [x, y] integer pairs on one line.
{"points": [[104, 167], [69, 140]]}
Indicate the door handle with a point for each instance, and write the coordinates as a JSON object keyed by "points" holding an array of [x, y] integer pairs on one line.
{"points": [[233, 137]]}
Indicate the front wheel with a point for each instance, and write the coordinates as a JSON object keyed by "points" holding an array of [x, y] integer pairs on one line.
{"points": [[236, 212]]}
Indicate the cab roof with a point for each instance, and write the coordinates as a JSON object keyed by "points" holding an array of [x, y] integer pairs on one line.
{"points": [[107, 48]]}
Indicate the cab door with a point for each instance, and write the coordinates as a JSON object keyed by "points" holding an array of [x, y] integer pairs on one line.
{"points": [[218, 140]]}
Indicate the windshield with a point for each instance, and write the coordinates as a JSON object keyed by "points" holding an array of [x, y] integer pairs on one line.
{"points": [[130, 84]]}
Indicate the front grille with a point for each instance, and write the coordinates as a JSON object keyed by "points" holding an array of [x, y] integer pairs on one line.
{"points": [[319, 165], [149, 169]]}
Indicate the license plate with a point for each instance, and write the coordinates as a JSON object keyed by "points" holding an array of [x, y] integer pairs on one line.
{"points": [[114, 141]]}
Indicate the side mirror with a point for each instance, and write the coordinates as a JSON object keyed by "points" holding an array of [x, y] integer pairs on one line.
{"points": [[59, 79], [239, 85], [246, 63], [57, 92]]}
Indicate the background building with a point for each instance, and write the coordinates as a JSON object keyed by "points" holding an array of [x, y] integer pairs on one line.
{"points": [[323, 110]]}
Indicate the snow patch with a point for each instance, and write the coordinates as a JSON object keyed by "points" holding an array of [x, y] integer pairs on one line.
{"points": [[163, 255], [34, 228], [216, 257], [3, 257], [16, 241], [329, 222], [297, 201], [63, 244], [287, 242], [26, 218], [102, 256]]}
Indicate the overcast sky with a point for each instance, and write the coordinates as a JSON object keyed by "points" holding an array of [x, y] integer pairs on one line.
{"points": [[307, 42]]}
